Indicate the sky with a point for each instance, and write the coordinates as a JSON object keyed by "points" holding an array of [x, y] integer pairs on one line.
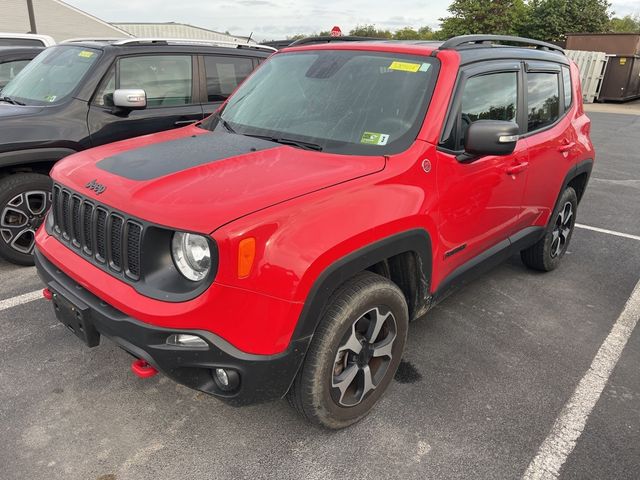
{"points": [[277, 19]]}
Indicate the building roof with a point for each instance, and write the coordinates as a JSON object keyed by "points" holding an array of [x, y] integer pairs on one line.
{"points": [[176, 30], [55, 18]]}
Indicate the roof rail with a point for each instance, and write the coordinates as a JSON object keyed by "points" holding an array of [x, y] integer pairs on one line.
{"points": [[326, 39], [92, 39], [470, 40], [191, 41]]}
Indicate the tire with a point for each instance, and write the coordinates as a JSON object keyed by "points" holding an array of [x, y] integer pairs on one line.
{"points": [[24, 201], [547, 253], [322, 392]]}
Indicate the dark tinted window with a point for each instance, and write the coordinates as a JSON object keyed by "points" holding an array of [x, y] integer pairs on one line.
{"points": [[566, 78], [224, 74], [543, 104], [21, 42], [485, 97]]}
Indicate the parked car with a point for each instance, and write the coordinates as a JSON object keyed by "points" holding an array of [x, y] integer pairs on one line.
{"points": [[81, 94], [282, 246], [25, 40], [13, 60]]}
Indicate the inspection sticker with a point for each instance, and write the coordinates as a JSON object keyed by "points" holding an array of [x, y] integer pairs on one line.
{"points": [[50, 98], [405, 66], [86, 54], [371, 138]]}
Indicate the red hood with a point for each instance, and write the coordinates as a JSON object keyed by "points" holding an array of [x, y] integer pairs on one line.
{"points": [[200, 186]]}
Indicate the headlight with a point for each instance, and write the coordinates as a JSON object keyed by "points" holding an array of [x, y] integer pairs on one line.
{"points": [[191, 254]]}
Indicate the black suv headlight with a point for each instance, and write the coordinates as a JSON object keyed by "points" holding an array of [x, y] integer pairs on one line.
{"points": [[192, 255]]}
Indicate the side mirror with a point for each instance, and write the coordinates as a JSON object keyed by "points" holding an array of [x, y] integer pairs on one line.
{"points": [[130, 98], [490, 137]]}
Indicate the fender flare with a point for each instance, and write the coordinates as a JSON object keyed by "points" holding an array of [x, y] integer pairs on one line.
{"points": [[415, 240], [33, 155]]}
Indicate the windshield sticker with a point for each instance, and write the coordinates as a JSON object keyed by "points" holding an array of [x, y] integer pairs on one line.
{"points": [[424, 67], [86, 54], [50, 98], [371, 138], [405, 66]]}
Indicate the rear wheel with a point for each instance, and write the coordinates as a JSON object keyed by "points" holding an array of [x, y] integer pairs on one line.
{"points": [[25, 199], [354, 353], [547, 253]]}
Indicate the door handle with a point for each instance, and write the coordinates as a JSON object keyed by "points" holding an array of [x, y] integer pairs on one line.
{"points": [[566, 147], [517, 168], [184, 122]]}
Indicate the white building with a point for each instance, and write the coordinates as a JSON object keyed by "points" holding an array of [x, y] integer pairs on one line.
{"points": [[55, 18], [177, 30]]}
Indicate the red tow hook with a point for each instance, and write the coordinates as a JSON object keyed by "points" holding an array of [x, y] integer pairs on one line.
{"points": [[47, 294], [142, 369]]}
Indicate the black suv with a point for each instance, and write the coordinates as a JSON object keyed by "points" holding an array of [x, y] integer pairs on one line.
{"points": [[82, 94]]}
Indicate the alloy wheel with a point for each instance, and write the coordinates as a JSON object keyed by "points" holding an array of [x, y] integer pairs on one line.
{"points": [[562, 230], [21, 217], [363, 357]]}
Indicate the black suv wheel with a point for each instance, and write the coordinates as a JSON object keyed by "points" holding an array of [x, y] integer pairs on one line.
{"points": [[354, 353], [24, 201]]}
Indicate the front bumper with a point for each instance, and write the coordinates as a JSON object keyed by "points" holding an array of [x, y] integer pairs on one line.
{"points": [[262, 377]]}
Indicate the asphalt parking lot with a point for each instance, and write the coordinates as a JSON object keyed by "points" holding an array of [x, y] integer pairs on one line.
{"points": [[488, 372]]}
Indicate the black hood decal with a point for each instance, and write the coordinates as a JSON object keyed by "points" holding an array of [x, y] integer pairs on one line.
{"points": [[165, 158]]}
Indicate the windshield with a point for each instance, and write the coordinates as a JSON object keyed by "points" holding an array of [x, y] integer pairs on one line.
{"points": [[342, 101], [52, 76]]}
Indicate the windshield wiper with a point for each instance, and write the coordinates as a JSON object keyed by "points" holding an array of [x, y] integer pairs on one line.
{"points": [[11, 101], [289, 141], [226, 125]]}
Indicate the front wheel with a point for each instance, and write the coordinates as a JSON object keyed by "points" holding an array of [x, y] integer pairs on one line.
{"points": [[546, 254], [354, 353], [25, 199]]}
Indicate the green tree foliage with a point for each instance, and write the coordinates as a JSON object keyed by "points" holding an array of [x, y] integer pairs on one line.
{"points": [[408, 33], [370, 31], [551, 20], [626, 24], [499, 17]]}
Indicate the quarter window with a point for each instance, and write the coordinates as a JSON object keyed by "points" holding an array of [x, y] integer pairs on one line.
{"points": [[224, 74], [486, 97], [543, 99], [566, 78]]}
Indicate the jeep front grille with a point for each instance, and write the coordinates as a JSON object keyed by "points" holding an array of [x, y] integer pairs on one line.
{"points": [[107, 238]]}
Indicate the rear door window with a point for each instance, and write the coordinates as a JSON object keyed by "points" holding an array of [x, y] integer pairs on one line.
{"points": [[224, 74], [543, 99]]}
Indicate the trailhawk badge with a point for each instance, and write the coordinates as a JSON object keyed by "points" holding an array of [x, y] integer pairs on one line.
{"points": [[95, 186]]}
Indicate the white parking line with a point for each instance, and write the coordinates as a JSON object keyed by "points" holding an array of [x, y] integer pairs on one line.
{"points": [[20, 299], [568, 427], [610, 232]]}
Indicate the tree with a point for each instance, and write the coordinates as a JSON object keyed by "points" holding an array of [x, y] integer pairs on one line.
{"points": [[370, 31], [500, 17], [551, 20], [408, 33], [626, 24]]}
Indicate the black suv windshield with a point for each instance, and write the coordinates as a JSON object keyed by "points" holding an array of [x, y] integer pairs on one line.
{"points": [[52, 76], [341, 101]]}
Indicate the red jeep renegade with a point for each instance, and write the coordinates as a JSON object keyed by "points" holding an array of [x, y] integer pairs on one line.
{"points": [[281, 246]]}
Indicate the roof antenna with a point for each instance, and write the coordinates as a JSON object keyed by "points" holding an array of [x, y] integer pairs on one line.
{"points": [[249, 39]]}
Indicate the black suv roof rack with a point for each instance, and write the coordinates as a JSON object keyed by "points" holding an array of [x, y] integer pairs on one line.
{"points": [[462, 41], [326, 39], [191, 41]]}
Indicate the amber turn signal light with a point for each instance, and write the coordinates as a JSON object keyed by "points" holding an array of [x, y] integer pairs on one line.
{"points": [[246, 255]]}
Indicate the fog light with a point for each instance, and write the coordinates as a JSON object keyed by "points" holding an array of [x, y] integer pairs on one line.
{"points": [[226, 379], [185, 340], [222, 377]]}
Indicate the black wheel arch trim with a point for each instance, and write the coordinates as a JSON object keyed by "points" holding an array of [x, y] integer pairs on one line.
{"points": [[416, 240], [33, 155]]}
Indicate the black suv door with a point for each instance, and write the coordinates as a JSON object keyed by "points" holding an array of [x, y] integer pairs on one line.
{"points": [[169, 81]]}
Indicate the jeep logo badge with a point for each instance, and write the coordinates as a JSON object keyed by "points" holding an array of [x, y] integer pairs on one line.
{"points": [[96, 187]]}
